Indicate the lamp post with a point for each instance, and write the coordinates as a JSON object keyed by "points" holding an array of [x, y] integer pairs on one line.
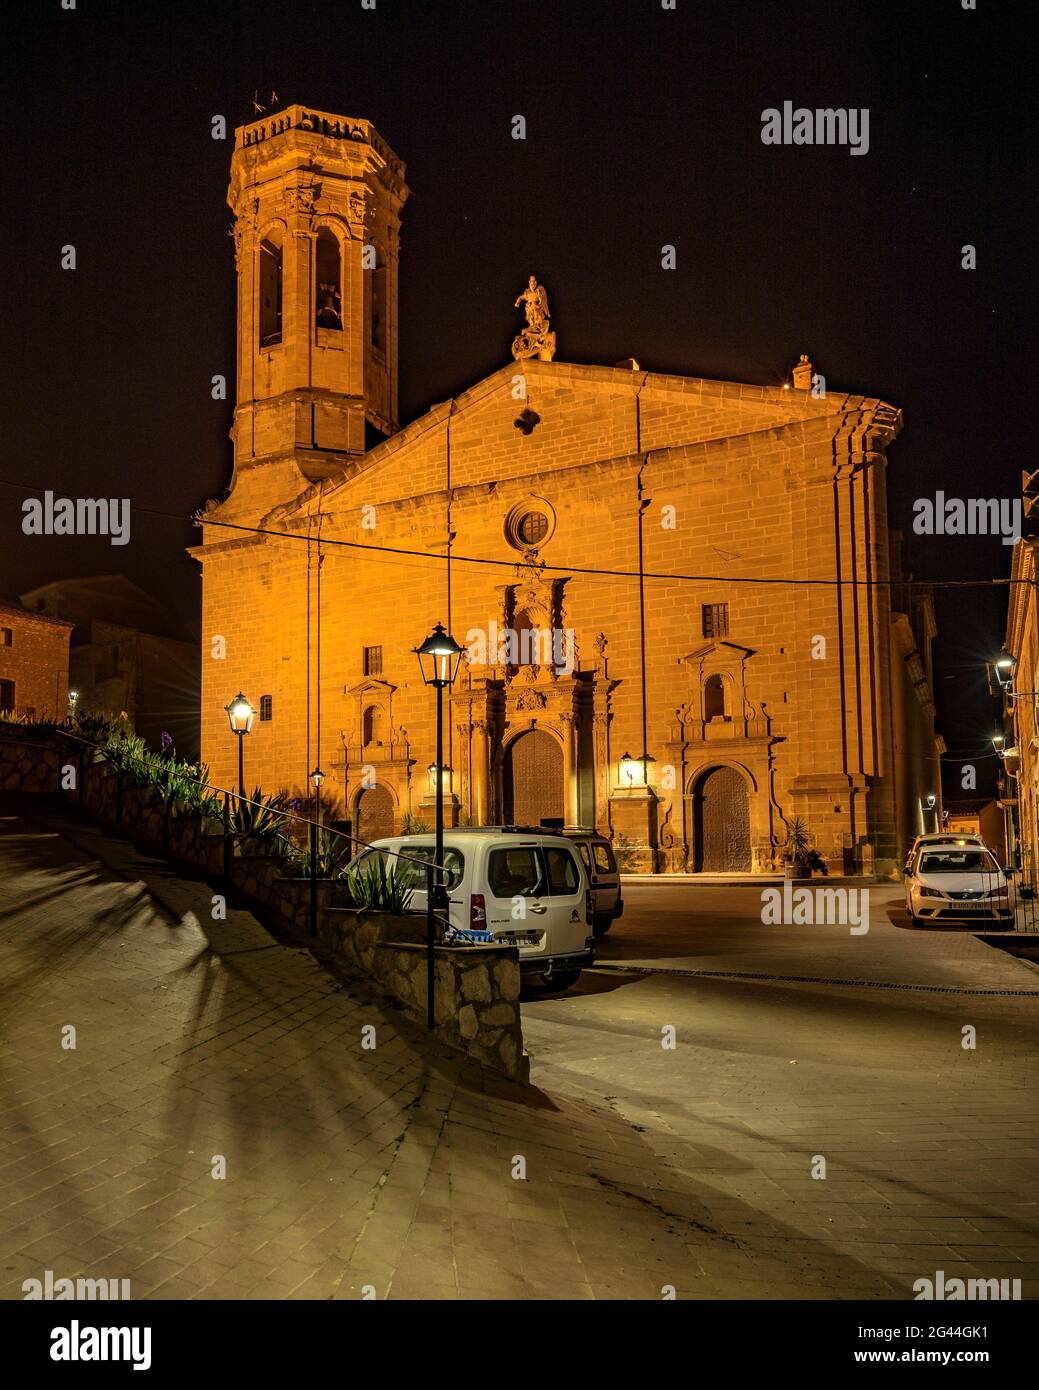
{"points": [[439, 658], [240, 715], [73, 697], [635, 771], [317, 777]]}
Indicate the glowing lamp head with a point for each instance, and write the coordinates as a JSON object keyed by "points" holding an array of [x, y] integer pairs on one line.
{"points": [[439, 657], [240, 714], [73, 697], [317, 777]]}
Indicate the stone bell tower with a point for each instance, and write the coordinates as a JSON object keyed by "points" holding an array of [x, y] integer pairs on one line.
{"points": [[317, 201]]}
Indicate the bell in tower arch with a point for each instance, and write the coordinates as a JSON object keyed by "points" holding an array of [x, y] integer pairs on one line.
{"points": [[329, 279], [329, 300]]}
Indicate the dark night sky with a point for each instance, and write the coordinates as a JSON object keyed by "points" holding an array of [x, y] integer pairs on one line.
{"points": [[643, 129]]}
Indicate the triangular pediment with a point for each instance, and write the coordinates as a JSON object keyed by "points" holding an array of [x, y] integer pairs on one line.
{"points": [[699, 413], [370, 686], [725, 651]]}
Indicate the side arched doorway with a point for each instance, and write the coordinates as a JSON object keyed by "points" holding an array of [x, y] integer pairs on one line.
{"points": [[721, 822], [374, 814], [533, 783]]}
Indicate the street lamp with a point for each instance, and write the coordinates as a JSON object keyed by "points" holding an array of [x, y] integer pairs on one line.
{"points": [[635, 771], [439, 658], [73, 697], [240, 715], [317, 777]]}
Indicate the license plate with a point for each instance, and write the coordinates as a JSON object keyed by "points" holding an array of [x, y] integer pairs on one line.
{"points": [[520, 938], [973, 907]]}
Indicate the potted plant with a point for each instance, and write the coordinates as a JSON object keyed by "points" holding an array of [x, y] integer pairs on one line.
{"points": [[800, 860]]}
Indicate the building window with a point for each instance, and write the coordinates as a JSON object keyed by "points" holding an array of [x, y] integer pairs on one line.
{"points": [[266, 707], [532, 528], [329, 281], [6, 637], [7, 695], [270, 291], [716, 620], [373, 661], [529, 524]]}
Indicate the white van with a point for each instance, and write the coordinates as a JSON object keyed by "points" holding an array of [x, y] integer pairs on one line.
{"points": [[527, 889]]}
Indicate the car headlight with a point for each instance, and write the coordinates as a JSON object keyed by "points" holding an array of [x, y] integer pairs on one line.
{"points": [[929, 892], [998, 892]]}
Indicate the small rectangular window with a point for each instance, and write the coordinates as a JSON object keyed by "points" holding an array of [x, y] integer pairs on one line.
{"points": [[373, 661], [266, 707], [6, 637], [7, 695], [715, 620]]}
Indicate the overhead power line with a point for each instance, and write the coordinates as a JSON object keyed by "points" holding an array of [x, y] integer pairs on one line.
{"points": [[198, 519]]}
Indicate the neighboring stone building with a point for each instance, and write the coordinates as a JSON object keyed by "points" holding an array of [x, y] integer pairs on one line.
{"points": [[917, 747], [34, 664], [979, 816], [1016, 679], [127, 655], [761, 701]]}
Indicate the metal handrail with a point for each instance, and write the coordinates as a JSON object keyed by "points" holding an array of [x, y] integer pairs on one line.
{"points": [[314, 828], [279, 811]]}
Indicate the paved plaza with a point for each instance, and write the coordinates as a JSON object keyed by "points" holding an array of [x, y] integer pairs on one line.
{"points": [[209, 1046]]}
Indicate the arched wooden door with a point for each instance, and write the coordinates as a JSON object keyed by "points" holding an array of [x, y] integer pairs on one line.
{"points": [[533, 779], [721, 822], [374, 814]]}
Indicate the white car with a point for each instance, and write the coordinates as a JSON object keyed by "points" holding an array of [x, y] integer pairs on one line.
{"points": [[943, 837], [524, 888], [957, 882]]}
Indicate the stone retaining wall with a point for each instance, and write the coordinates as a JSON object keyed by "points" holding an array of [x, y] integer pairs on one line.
{"points": [[28, 765], [476, 988]]}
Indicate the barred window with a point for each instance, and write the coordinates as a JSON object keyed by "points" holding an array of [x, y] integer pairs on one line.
{"points": [[373, 661], [715, 620], [266, 707]]}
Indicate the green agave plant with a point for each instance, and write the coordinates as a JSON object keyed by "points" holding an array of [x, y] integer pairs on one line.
{"points": [[257, 815], [332, 853], [380, 888]]}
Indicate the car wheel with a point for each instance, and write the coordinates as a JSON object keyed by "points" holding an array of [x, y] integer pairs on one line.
{"points": [[602, 924]]}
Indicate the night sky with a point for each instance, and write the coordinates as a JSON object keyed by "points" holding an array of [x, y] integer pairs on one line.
{"points": [[644, 128]]}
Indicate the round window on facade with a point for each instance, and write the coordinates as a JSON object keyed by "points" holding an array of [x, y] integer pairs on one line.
{"points": [[533, 528], [529, 525]]}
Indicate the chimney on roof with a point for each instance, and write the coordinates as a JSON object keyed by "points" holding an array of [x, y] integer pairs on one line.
{"points": [[803, 374]]}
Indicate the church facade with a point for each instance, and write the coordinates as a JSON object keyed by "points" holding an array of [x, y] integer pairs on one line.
{"points": [[679, 597]]}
